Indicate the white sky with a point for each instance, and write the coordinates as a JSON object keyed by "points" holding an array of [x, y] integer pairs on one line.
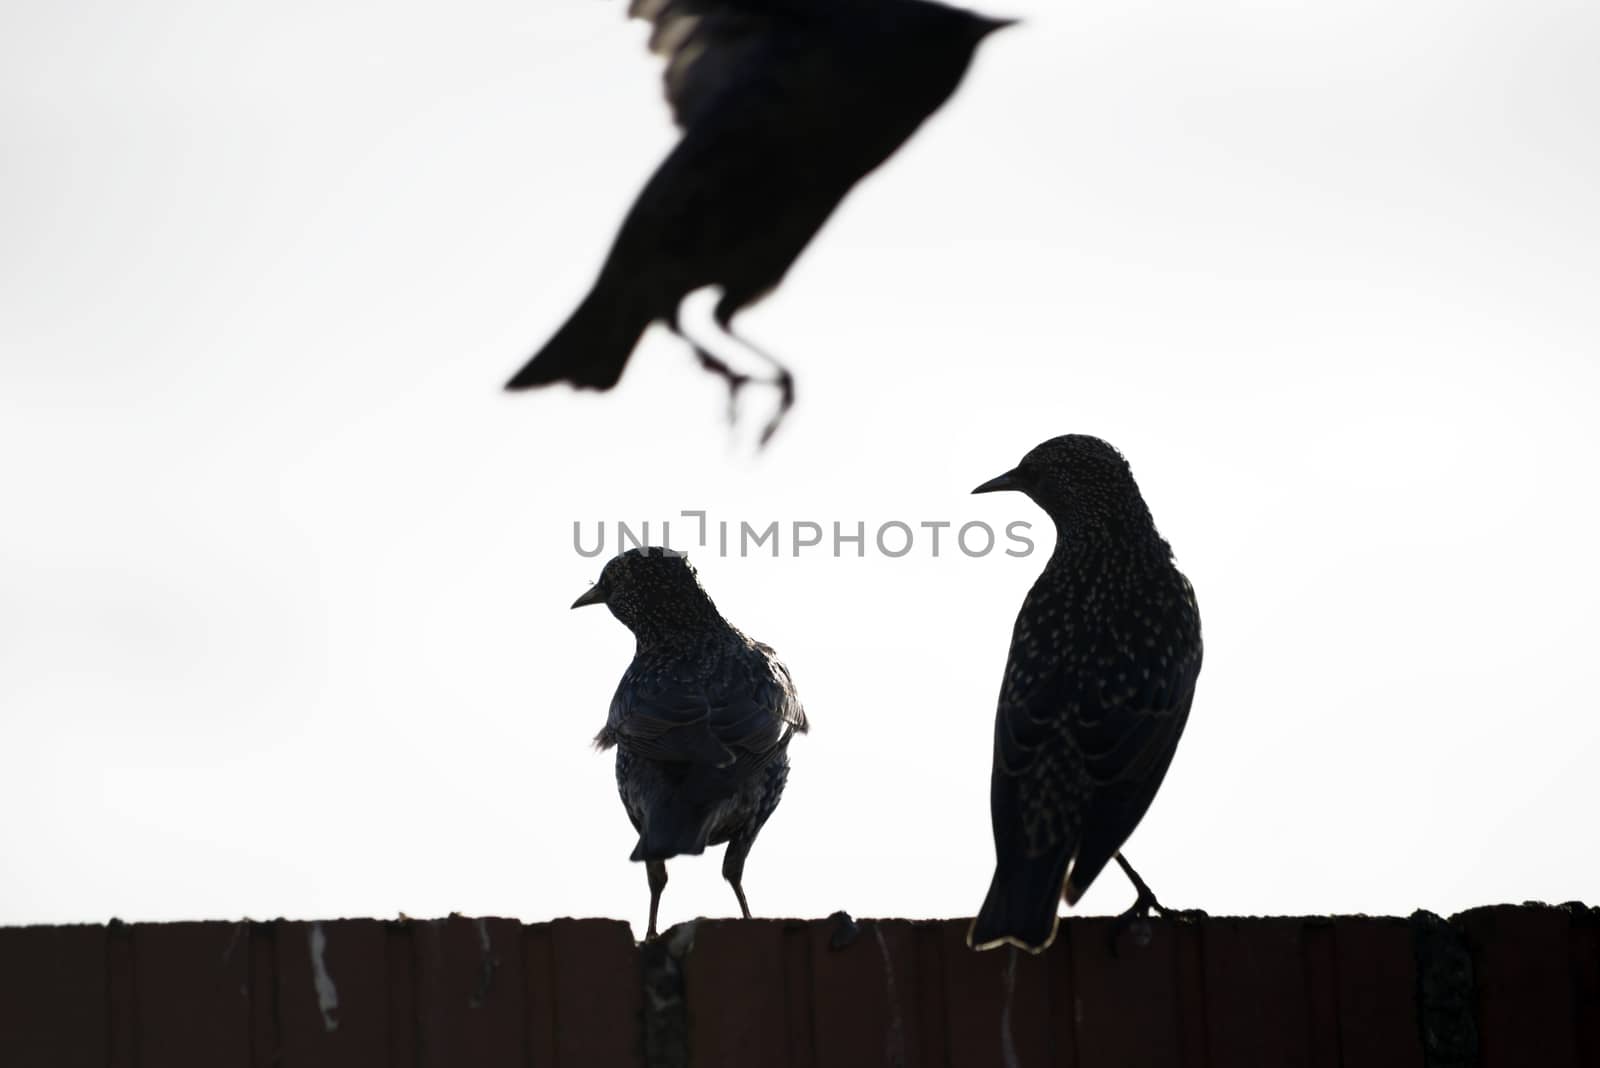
{"points": [[284, 576]]}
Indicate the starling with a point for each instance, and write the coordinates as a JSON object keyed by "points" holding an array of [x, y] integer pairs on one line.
{"points": [[701, 720], [784, 106], [1097, 688]]}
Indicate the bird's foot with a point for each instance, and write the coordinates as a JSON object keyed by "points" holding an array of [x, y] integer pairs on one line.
{"points": [[1136, 919], [785, 383], [736, 380]]}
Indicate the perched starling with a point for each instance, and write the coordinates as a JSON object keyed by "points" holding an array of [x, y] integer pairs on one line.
{"points": [[1097, 689], [701, 720], [784, 105]]}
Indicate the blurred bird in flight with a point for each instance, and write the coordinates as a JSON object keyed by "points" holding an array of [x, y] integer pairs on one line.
{"points": [[784, 106]]}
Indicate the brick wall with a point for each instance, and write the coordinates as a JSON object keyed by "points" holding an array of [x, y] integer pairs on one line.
{"points": [[1498, 987]]}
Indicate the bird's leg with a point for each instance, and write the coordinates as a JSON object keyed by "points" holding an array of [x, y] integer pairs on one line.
{"points": [[733, 869], [1139, 911], [657, 872], [1147, 899], [736, 380], [782, 379]]}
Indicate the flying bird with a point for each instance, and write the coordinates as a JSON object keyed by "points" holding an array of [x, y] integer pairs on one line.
{"points": [[784, 106], [701, 720], [1097, 688]]}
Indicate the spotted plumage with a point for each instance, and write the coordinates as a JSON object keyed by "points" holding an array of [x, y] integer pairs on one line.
{"points": [[701, 720], [1104, 658]]}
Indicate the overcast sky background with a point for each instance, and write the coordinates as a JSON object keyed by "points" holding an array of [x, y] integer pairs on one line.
{"points": [[284, 576]]}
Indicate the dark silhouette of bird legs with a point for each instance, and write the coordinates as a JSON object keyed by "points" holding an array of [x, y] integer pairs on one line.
{"points": [[737, 380], [1139, 911], [657, 871], [782, 379], [733, 869]]}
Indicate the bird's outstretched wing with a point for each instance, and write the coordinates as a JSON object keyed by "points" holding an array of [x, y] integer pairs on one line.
{"points": [[713, 45]]}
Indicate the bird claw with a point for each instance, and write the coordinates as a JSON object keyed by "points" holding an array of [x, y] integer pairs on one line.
{"points": [[736, 380], [1136, 920], [785, 384]]}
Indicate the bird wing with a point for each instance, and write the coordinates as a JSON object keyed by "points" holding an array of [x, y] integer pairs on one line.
{"points": [[1127, 736], [786, 703], [669, 723], [1088, 749], [710, 45], [740, 715]]}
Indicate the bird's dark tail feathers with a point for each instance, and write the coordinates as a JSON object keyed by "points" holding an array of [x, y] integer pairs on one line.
{"points": [[592, 346], [673, 828], [1020, 909]]}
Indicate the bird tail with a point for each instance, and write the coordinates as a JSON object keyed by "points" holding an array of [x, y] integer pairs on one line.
{"points": [[592, 346], [671, 829], [1020, 909]]}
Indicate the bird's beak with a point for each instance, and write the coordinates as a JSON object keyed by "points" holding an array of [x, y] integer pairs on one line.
{"points": [[596, 594], [1007, 481], [990, 25]]}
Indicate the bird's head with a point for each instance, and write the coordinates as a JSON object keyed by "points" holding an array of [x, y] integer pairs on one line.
{"points": [[651, 590], [1080, 481]]}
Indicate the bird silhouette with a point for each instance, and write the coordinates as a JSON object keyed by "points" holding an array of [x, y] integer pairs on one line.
{"points": [[1097, 689], [701, 720], [784, 106]]}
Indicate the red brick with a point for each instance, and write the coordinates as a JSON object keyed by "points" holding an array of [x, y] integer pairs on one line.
{"points": [[1377, 993], [1127, 1006], [736, 992], [470, 1003], [52, 997], [1257, 1009], [352, 965], [999, 1002], [192, 994], [1521, 965], [598, 1011]]}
